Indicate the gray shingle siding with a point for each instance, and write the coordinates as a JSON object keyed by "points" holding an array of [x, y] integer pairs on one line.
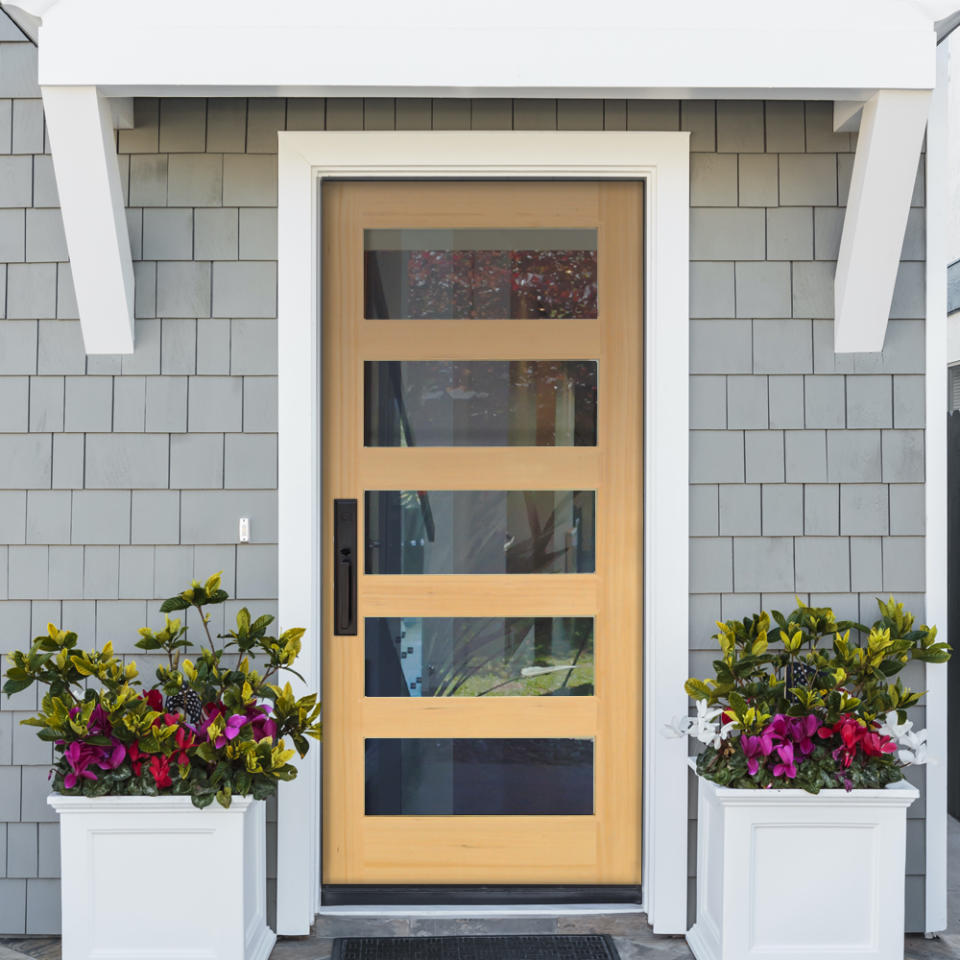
{"points": [[121, 477]]}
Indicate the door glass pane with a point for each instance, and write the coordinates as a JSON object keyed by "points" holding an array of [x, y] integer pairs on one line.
{"points": [[480, 403], [480, 531], [479, 656], [480, 777], [480, 274]]}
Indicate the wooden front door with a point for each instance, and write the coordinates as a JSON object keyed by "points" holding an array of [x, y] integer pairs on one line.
{"points": [[482, 389]]}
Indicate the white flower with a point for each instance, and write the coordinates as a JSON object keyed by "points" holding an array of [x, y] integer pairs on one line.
{"points": [[914, 747], [725, 731], [703, 726], [678, 727], [706, 729], [890, 727]]}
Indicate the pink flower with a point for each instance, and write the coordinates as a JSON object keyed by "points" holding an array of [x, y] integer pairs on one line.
{"points": [[795, 730], [80, 756], [754, 748], [230, 731], [112, 756], [786, 767], [99, 723], [211, 712], [261, 723]]}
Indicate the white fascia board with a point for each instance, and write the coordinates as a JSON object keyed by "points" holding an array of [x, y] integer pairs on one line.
{"points": [[80, 127], [884, 171], [300, 47]]}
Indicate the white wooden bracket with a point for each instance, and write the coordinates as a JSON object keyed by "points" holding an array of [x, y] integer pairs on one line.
{"points": [[80, 127], [846, 115], [892, 125]]}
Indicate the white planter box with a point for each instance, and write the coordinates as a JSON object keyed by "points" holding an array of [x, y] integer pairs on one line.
{"points": [[784, 873], [154, 878]]}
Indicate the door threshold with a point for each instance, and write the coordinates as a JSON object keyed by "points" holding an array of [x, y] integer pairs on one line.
{"points": [[475, 910]]}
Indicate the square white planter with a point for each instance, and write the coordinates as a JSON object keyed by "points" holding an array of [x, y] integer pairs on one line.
{"points": [[154, 878], [785, 873]]}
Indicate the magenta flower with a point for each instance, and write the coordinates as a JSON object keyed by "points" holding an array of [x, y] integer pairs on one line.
{"points": [[261, 724], [803, 729], [795, 730], [113, 755], [786, 767], [99, 723], [80, 756], [754, 748], [232, 728], [212, 711]]}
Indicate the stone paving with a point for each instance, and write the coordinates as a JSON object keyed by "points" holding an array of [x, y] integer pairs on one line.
{"points": [[633, 937], [634, 941]]}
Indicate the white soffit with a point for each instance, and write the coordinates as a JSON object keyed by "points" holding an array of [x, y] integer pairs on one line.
{"points": [[437, 48]]}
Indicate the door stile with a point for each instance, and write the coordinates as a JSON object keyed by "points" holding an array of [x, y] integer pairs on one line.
{"points": [[619, 533]]}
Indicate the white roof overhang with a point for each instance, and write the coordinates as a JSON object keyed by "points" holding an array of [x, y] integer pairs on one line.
{"points": [[878, 53]]}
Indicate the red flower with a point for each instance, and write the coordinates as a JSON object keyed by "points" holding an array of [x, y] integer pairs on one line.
{"points": [[155, 699], [184, 743], [875, 745], [852, 733], [137, 759], [170, 719], [160, 771]]}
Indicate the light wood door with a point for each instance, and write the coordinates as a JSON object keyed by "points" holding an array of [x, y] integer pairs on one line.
{"points": [[482, 389]]}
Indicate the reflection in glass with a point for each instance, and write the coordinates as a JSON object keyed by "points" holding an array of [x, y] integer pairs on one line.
{"points": [[480, 274], [479, 656], [480, 531], [480, 403], [538, 777]]}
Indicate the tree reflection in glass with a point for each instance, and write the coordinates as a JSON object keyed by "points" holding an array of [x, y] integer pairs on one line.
{"points": [[480, 274], [480, 531], [480, 403], [479, 656]]}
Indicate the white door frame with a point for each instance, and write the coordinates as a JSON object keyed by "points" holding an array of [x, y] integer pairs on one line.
{"points": [[662, 161]]}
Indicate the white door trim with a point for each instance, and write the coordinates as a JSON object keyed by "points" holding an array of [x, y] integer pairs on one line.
{"points": [[662, 161]]}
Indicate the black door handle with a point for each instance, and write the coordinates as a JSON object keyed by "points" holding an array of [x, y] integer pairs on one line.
{"points": [[345, 568]]}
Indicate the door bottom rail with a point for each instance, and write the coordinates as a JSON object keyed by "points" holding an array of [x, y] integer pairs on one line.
{"points": [[362, 894]]}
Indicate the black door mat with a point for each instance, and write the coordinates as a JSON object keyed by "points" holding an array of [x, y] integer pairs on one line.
{"points": [[585, 947]]}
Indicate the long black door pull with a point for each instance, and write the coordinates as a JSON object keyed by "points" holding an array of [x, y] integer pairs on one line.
{"points": [[345, 568]]}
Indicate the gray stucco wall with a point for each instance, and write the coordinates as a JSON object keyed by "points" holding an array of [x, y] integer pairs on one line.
{"points": [[122, 477]]}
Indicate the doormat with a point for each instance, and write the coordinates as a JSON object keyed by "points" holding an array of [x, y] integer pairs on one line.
{"points": [[580, 947]]}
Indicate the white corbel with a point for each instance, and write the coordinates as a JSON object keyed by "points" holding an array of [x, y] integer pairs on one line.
{"points": [[80, 127], [884, 170]]}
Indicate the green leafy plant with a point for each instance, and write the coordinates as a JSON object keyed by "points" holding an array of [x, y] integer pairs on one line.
{"points": [[807, 701], [213, 726]]}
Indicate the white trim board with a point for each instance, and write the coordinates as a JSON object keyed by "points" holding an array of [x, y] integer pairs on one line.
{"points": [[662, 161], [935, 491]]}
